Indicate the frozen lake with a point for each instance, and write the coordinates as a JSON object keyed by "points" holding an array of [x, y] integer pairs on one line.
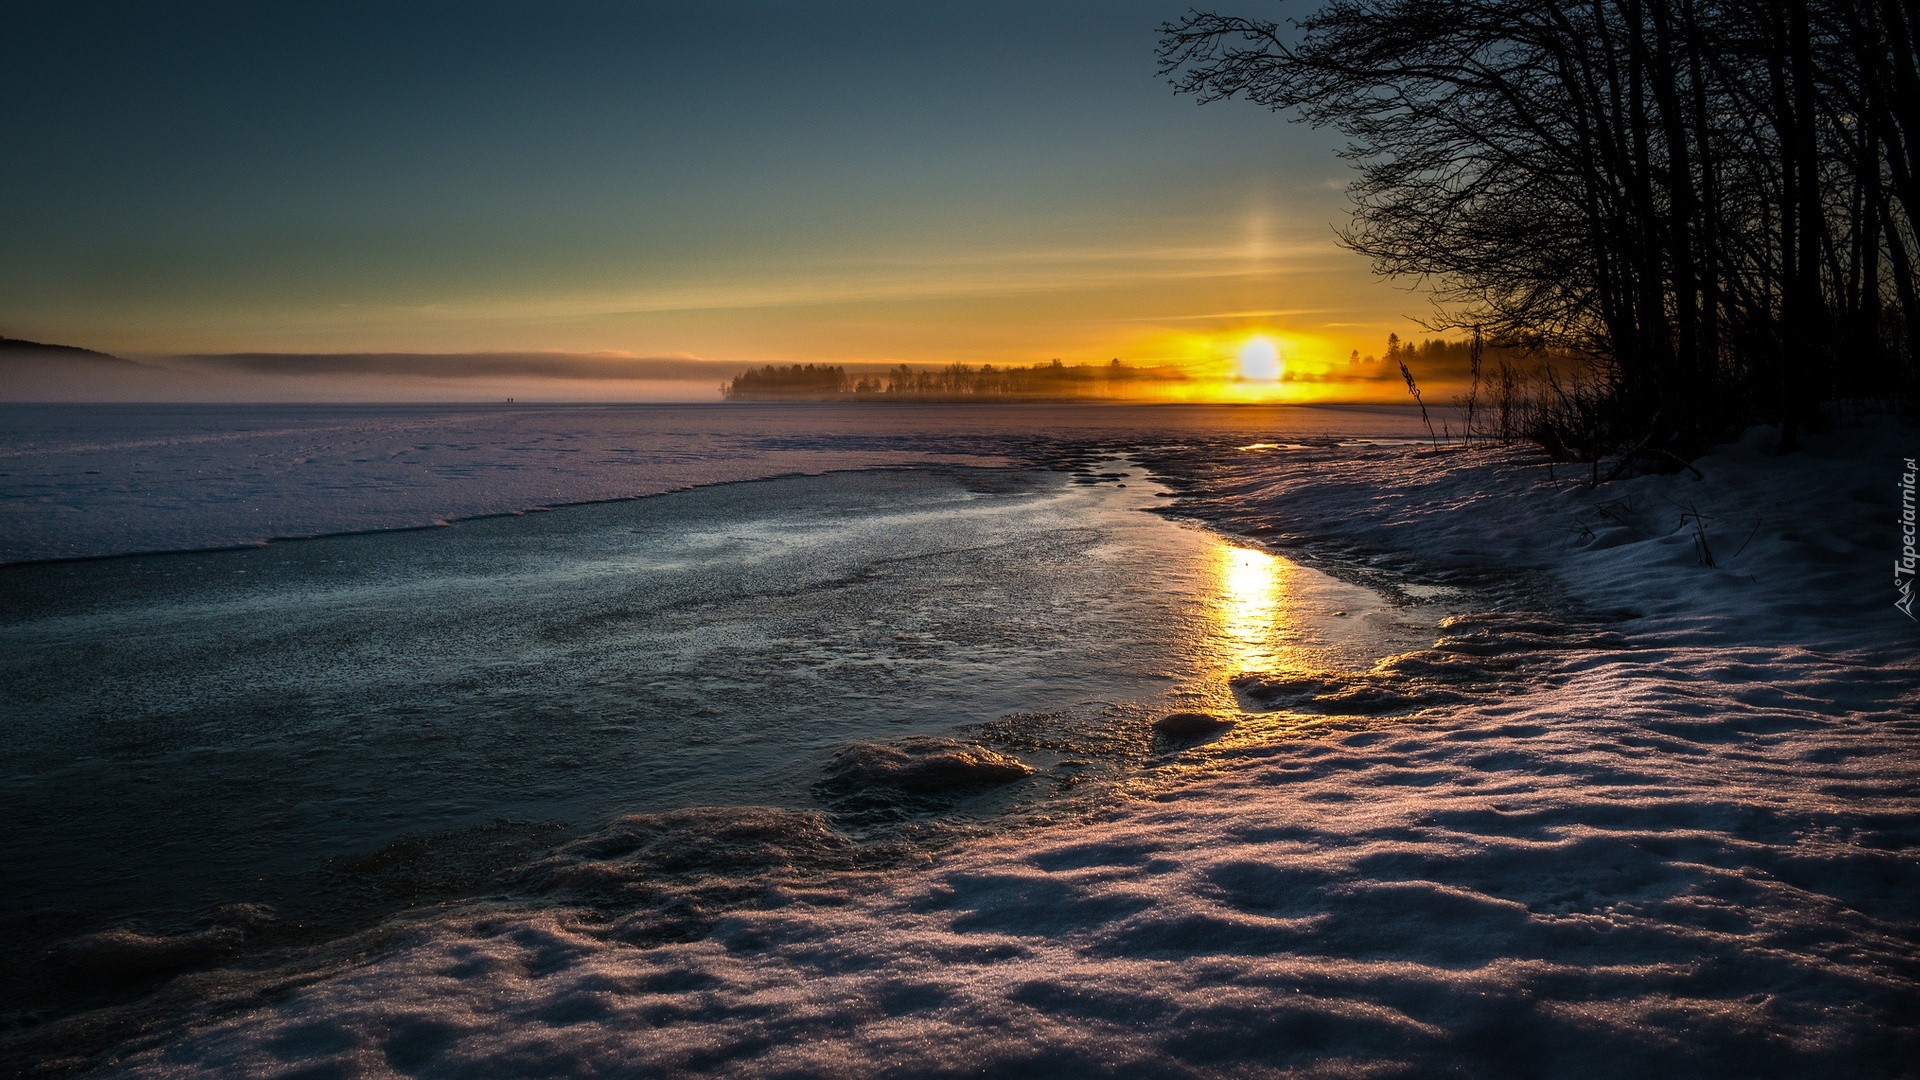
{"points": [[80, 481], [344, 728]]}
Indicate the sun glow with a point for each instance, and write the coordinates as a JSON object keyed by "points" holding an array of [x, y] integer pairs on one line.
{"points": [[1260, 360], [1257, 363]]}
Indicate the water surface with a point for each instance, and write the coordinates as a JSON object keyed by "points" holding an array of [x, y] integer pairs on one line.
{"points": [[252, 726]]}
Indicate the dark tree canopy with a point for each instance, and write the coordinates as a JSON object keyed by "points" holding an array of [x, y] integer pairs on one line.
{"points": [[952, 382], [1714, 199]]}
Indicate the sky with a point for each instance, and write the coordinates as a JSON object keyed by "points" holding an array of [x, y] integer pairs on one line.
{"points": [[742, 183]]}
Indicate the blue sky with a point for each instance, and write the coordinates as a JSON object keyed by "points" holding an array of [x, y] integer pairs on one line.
{"points": [[733, 181]]}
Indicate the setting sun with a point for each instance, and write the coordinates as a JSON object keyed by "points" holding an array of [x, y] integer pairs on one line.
{"points": [[1260, 360]]}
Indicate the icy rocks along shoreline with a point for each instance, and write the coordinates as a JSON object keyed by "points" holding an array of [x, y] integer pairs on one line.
{"points": [[1688, 849]]}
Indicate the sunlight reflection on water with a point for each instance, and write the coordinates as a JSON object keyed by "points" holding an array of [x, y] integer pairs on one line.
{"points": [[1250, 606], [1266, 614]]}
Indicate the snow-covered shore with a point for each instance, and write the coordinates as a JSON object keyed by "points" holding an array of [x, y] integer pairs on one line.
{"points": [[1673, 835]]}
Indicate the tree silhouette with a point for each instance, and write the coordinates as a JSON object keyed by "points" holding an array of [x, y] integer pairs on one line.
{"points": [[1714, 200]]}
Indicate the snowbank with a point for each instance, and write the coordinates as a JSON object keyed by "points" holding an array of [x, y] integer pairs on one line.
{"points": [[1681, 841]]}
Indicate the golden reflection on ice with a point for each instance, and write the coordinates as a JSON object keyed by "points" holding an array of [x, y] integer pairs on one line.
{"points": [[1248, 604], [1252, 610]]}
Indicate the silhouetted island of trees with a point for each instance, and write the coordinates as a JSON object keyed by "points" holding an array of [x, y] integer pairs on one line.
{"points": [[14, 347], [953, 382], [1710, 204]]}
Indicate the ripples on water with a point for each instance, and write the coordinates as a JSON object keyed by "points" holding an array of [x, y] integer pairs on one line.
{"points": [[292, 742]]}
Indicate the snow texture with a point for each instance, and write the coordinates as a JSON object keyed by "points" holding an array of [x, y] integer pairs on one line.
{"points": [[1668, 829]]}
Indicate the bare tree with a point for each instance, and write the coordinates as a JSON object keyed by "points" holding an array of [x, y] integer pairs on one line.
{"points": [[1697, 195]]}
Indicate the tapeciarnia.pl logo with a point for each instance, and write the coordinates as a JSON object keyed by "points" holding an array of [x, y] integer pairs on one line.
{"points": [[1903, 567]]}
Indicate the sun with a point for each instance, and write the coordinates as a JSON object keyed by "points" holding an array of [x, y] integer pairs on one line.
{"points": [[1260, 360]]}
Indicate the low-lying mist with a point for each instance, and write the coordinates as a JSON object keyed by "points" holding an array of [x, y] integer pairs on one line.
{"points": [[31, 372]]}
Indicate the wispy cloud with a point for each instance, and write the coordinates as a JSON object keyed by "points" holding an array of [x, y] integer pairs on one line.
{"points": [[933, 277], [1228, 316]]}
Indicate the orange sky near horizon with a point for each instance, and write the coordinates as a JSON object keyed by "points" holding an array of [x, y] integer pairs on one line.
{"points": [[926, 189]]}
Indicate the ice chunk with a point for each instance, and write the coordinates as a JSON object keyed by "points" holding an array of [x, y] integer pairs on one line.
{"points": [[923, 765]]}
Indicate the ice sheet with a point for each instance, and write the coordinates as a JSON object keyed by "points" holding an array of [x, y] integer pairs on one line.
{"points": [[89, 480]]}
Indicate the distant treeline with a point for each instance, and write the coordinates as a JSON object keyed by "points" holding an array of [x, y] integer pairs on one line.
{"points": [[1449, 359], [793, 381], [1713, 202], [954, 382]]}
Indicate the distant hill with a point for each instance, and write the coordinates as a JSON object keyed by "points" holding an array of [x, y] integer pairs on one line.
{"points": [[10, 347], [40, 371], [37, 371]]}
